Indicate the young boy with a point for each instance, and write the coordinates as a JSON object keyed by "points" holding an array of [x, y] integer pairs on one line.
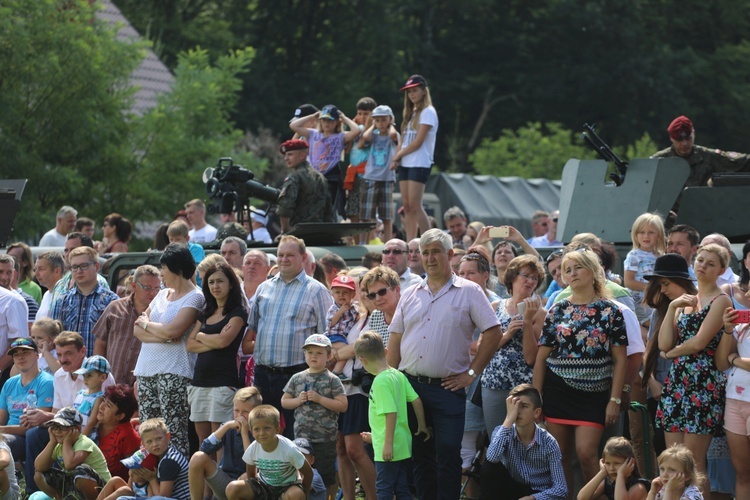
{"points": [[318, 487], [357, 161], [521, 449], [341, 317], [95, 371], [391, 438], [234, 438], [179, 232], [317, 397], [377, 190], [70, 461], [273, 463], [170, 479]]}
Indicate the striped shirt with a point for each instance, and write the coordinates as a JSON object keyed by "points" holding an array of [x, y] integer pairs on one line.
{"points": [[173, 466], [115, 327], [538, 465], [79, 313], [283, 315], [30, 303]]}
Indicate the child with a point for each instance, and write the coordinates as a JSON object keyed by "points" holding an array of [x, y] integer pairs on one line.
{"points": [[43, 332], [95, 371], [9, 489], [677, 477], [618, 477], [317, 398], [341, 317], [391, 438], [171, 476], [305, 111], [179, 232], [273, 463], [377, 190], [233, 438], [115, 435], [70, 461], [521, 449], [357, 161], [318, 487], [649, 242]]}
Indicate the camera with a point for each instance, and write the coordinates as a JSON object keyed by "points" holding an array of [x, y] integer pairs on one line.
{"points": [[362, 378], [233, 185]]}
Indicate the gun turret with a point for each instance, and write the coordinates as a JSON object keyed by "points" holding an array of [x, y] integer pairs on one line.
{"points": [[591, 138]]}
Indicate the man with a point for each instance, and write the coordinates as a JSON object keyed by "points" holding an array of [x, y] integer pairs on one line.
{"points": [[114, 329], [48, 270], [14, 315], [395, 253], [86, 226], [549, 238], [683, 240], [332, 265], [415, 258], [70, 353], [200, 231], [704, 162], [729, 277], [287, 309], [429, 341], [65, 283], [66, 221], [233, 249], [455, 223], [539, 223], [9, 280], [310, 263], [15, 392], [304, 196], [80, 307], [255, 269]]}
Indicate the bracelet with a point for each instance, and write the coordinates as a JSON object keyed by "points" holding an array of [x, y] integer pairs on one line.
{"points": [[145, 326], [728, 332]]}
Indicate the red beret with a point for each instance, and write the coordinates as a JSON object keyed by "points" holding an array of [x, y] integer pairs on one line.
{"points": [[292, 145], [680, 128]]}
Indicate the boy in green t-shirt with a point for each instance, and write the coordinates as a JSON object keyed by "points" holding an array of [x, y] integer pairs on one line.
{"points": [[71, 463], [391, 439]]}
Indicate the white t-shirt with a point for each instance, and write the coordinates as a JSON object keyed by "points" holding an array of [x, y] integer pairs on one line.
{"points": [[422, 157], [45, 306], [632, 328], [203, 235], [738, 380], [52, 239], [278, 467], [14, 318]]}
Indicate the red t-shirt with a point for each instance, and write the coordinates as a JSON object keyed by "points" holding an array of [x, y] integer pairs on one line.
{"points": [[122, 442]]}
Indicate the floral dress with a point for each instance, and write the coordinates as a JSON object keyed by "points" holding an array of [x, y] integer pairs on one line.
{"points": [[693, 397], [507, 368]]}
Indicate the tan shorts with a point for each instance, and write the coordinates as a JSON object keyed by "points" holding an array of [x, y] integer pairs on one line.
{"points": [[211, 404]]}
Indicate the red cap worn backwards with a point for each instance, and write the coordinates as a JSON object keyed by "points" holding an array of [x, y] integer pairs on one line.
{"points": [[680, 128], [414, 81], [292, 145]]}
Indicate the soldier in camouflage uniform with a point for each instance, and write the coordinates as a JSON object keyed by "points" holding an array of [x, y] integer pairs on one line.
{"points": [[304, 195]]}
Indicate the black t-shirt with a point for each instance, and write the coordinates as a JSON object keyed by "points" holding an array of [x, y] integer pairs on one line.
{"points": [[218, 367]]}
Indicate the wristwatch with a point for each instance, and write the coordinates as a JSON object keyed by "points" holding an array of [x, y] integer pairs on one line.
{"points": [[472, 373], [616, 400]]}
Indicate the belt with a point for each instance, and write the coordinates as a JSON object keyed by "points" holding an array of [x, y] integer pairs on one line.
{"points": [[423, 380], [285, 370]]}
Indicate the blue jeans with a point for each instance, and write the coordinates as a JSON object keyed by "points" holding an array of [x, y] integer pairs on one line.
{"points": [[437, 462], [36, 440], [392, 480], [271, 387]]}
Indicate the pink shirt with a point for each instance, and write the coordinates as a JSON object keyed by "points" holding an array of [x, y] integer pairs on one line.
{"points": [[437, 329]]}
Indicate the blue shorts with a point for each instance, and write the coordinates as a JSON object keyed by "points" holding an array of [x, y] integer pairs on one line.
{"points": [[355, 419], [416, 174]]}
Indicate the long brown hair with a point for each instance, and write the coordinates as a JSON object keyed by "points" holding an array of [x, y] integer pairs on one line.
{"points": [[413, 111]]}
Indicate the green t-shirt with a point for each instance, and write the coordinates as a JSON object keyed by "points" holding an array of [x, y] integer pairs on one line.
{"points": [[389, 394], [95, 459]]}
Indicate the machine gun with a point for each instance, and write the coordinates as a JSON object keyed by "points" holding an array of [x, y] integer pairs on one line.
{"points": [[591, 138]]}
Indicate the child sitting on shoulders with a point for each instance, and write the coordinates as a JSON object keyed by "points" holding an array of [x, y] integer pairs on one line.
{"points": [[341, 317], [94, 371]]}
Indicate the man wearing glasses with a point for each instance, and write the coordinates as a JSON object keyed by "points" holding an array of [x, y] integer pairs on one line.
{"points": [[395, 256], [74, 241], [548, 239], [80, 307], [113, 331]]}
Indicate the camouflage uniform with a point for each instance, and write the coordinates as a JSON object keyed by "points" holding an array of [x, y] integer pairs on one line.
{"points": [[704, 162], [305, 197]]}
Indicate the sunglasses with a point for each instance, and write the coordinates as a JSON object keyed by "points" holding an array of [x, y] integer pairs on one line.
{"points": [[554, 255], [381, 293], [394, 251]]}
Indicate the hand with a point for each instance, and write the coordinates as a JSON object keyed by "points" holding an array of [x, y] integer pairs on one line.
{"points": [[426, 431], [303, 398], [483, 236], [685, 300], [144, 474], [72, 436], [513, 327], [676, 483], [602, 467], [532, 306], [395, 162], [657, 484], [313, 396], [514, 235], [36, 417], [613, 412], [23, 421], [387, 452], [626, 469], [511, 405], [458, 381], [729, 318], [46, 347], [366, 437], [141, 321], [242, 424]]}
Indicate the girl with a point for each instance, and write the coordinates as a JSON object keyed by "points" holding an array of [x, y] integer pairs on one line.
{"points": [[43, 332], [415, 152], [677, 477], [649, 242], [618, 477], [692, 403], [327, 143]]}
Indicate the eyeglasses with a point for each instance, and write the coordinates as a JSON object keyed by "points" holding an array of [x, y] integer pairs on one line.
{"points": [[381, 293], [148, 288], [529, 277], [81, 267], [394, 251]]}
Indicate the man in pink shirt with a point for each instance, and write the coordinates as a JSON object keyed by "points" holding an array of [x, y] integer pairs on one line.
{"points": [[430, 335]]}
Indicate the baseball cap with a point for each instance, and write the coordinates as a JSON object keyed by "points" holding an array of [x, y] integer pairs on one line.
{"points": [[382, 110], [680, 128], [304, 446], [22, 343], [329, 112], [414, 81], [318, 340], [344, 282], [94, 363], [67, 417], [304, 110]]}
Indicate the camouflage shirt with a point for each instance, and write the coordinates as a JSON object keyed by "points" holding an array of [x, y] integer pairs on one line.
{"points": [[704, 162], [314, 421], [305, 197]]}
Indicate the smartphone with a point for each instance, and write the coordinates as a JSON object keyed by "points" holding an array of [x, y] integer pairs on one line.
{"points": [[522, 308], [743, 316], [499, 232]]}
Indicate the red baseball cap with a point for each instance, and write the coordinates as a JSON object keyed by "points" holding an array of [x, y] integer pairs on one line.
{"points": [[680, 128], [414, 81], [344, 282]]}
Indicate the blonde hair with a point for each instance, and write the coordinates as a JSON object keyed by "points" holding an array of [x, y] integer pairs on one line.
{"points": [[153, 424], [178, 228], [588, 259], [265, 412], [641, 223], [717, 250], [51, 327], [370, 346], [412, 111], [211, 260], [683, 456], [251, 394]]}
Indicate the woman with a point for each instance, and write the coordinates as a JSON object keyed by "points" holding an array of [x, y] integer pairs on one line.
{"points": [[415, 153], [116, 229], [513, 361], [739, 293], [504, 252], [216, 338], [164, 366], [382, 287], [21, 252], [691, 409], [580, 366]]}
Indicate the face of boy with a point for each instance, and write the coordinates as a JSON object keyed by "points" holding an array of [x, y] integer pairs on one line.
{"points": [[316, 357], [242, 409], [156, 442], [362, 116], [94, 380], [526, 412], [382, 123], [342, 296], [263, 430]]}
